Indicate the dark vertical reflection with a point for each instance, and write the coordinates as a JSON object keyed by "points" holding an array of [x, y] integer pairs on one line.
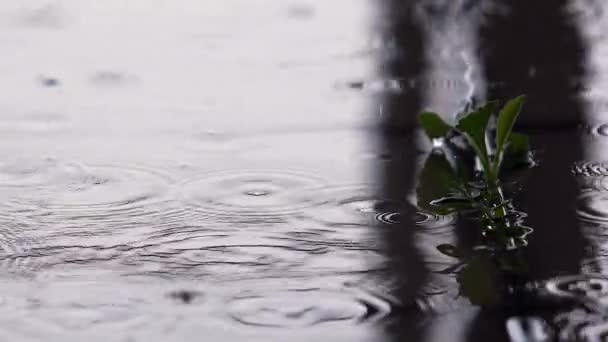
{"points": [[397, 176], [530, 48], [537, 50], [406, 258]]}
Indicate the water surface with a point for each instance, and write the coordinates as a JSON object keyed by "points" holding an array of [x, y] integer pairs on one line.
{"points": [[245, 170]]}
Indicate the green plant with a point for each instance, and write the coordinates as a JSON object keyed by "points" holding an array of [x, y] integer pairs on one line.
{"points": [[473, 126], [465, 175], [462, 173]]}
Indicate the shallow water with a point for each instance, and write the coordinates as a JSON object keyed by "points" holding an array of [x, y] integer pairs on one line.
{"points": [[244, 170]]}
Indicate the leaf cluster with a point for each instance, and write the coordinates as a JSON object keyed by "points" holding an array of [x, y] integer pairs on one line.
{"points": [[473, 127], [448, 183]]}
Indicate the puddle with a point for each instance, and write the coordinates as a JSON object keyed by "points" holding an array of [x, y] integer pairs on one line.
{"points": [[247, 171]]}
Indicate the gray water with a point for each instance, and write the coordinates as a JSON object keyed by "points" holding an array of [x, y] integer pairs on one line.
{"points": [[242, 170]]}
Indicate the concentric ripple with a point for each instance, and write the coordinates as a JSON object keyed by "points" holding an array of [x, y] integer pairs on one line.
{"points": [[304, 308], [593, 207], [55, 187], [363, 205], [249, 193]]}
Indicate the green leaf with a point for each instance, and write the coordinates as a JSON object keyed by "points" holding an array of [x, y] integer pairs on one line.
{"points": [[517, 153], [506, 120], [436, 180], [474, 126], [433, 125], [519, 145]]}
